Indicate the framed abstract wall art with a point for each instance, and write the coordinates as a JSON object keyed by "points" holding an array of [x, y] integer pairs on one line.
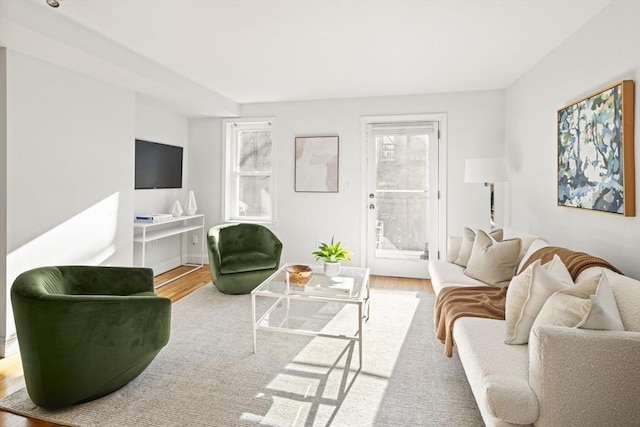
{"points": [[316, 164], [595, 152]]}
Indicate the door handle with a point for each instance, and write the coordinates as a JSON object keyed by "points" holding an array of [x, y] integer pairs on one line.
{"points": [[371, 195], [372, 206]]}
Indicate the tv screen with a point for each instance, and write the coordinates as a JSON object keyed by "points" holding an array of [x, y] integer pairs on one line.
{"points": [[158, 165]]}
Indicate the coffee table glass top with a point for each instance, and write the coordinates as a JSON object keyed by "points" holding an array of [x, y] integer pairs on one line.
{"points": [[349, 285]]}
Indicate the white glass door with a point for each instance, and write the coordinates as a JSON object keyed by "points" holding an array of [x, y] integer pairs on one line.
{"points": [[402, 198]]}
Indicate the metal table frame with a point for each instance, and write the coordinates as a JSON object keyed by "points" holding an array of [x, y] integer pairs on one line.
{"points": [[361, 300]]}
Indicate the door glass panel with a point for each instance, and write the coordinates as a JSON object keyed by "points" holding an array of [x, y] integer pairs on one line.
{"points": [[402, 182]]}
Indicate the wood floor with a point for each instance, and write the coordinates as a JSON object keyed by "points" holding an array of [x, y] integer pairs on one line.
{"points": [[11, 378]]}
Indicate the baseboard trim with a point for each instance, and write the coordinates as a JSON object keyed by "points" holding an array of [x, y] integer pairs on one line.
{"points": [[9, 345]]}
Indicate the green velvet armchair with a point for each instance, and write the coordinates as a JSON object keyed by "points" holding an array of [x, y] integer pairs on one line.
{"points": [[86, 331], [241, 256]]}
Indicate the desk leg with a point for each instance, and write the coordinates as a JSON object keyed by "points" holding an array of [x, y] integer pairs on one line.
{"points": [[253, 321]]}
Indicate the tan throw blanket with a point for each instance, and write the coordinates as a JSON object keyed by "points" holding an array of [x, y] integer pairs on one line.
{"points": [[576, 262], [470, 301]]}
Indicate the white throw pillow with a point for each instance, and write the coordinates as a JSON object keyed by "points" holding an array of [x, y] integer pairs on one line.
{"points": [[527, 293], [466, 247], [491, 261], [589, 304], [533, 247]]}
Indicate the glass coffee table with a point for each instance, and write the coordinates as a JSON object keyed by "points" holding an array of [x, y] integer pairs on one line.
{"points": [[293, 310]]}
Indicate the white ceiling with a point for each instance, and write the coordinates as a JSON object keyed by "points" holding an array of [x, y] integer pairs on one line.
{"points": [[268, 50]]}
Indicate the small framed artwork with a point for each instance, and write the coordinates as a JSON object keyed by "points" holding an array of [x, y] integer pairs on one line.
{"points": [[595, 152], [316, 164]]}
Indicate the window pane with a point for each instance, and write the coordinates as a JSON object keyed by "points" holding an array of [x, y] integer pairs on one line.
{"points": [[402, 222], [254, 151], [402, 161], [254, 196]]}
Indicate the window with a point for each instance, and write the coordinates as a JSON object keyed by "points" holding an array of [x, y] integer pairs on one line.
{"points": [[249, 171]]}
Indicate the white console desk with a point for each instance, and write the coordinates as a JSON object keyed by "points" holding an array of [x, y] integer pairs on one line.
{"points": [[145, 232]]}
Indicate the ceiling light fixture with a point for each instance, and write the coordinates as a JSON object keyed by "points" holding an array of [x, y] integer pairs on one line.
{"points": [[53, 3]]}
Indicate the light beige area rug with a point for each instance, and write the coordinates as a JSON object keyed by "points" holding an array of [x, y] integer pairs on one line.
{"points": [[208, 375]]}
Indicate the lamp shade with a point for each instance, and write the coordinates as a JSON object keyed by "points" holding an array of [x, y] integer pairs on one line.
{"points": [[487, 170]]}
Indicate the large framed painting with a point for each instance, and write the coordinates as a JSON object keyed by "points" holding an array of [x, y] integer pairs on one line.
{"points": [[595, 152], [316, 164]]}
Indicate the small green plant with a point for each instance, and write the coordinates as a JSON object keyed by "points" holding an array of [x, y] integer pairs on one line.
{"points": [[332, 252]]}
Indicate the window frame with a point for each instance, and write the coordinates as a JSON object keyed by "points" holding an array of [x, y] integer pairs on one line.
{"points": [[232, 174]]}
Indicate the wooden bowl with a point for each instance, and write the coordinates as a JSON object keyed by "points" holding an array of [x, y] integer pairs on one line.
{"points": [[299, 274]]}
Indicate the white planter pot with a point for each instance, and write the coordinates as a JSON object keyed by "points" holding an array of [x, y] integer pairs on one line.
{"points": [[331, 268]]}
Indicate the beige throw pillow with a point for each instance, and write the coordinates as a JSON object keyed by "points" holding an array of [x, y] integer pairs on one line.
{"points": [[468, 237], [491, 261], [527, 293], [589, 304]]}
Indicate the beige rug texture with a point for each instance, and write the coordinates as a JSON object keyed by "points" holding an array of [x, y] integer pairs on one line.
{"points": [[208, 374]]}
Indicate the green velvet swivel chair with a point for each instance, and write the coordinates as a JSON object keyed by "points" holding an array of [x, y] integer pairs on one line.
{"points": [[241, 256], [86, 331]]}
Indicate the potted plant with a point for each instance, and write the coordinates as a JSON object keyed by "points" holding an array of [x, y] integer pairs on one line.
{"points": [[332, 254]]}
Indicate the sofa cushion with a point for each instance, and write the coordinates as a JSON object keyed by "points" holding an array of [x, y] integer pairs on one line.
{"points": [[445, 274], [466, 247], [527, 293], [240, 262], [491, 261], [590, 304]]}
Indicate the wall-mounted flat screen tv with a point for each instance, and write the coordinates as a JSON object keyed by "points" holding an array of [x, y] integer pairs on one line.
{"points": [[158, 165]]}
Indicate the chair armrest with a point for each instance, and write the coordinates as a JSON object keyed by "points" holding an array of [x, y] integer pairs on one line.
{"points": [[453, 247], [72, 335], [214, 254], [585, 377], [90, 280]]}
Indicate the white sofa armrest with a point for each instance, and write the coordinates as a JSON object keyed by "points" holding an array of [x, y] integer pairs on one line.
{"points": [[585, 377], [509, 398], [453, 247]]}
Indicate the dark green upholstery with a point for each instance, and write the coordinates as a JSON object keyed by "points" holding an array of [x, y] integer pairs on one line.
{"points": [[86, 331], [241, 256]]}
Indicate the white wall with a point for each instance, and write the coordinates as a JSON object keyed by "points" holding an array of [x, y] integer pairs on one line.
{"points": [[475, 129], [156, 124], [205, 171], [69, 170], [605, 51], [3, 198]]}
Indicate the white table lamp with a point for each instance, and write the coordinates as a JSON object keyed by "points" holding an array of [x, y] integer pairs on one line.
{"points": [[487, 171]]}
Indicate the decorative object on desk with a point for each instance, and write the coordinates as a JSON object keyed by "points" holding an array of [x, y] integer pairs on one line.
{"points": [[332, 254], [487, 171], [176, 210], [191, 207], [298, 274], [316, 169], [595, 152]]}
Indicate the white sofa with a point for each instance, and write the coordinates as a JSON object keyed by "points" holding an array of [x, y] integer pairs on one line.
{"points": [[564, 376]]}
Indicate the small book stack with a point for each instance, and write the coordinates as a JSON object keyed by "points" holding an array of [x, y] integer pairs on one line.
{"points": [[153, 218], [325, 285]]}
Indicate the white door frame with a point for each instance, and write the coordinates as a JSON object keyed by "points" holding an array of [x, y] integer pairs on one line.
{"points": [[441, 118]]}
